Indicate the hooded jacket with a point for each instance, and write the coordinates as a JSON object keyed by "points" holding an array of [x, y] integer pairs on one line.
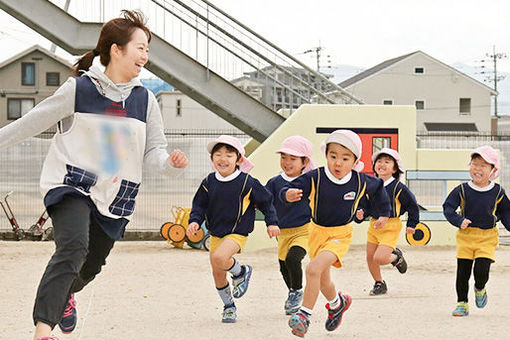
{"points": [[106, 132]]}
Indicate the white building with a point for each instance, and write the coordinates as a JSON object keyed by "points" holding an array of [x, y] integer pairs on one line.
{"points": [[445, 99]]}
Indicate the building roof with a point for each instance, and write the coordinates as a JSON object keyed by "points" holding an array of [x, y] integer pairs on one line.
{"points": [[385, 64], [32, 49]]}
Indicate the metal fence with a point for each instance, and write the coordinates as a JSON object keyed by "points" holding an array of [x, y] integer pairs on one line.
{"points": [[20, 168]]}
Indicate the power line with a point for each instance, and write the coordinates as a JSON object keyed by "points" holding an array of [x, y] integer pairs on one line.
{"points": [[494, 57]]}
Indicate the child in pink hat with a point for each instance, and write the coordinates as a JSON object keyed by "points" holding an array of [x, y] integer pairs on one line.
{"points": [[382, 242], [226, 201], [482, 203], [295, 160], [334, 192]]}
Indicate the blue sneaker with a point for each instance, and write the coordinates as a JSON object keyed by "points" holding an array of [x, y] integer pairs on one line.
{"points": [[229, 314], [480, 297], [69, 318], [462, 309], [335, 315], [299, 324], [293, 302], [240, 283]]}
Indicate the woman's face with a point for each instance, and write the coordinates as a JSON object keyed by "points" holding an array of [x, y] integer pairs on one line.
{"points": [[134, 55]]}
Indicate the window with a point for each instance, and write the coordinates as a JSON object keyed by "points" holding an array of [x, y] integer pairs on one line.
{"points": [[420, 104], [419, 70], [465, 106], [52, 78], [18, 107], [27, 74], [387, 102], [380, 142], [178, 108]]}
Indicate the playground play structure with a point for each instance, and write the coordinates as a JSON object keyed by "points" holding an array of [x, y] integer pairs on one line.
{"points": [[36, 232], [175, 231]]}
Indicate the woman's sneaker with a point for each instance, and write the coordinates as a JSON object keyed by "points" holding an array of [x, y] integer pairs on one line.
{"points": [[229, 314], [480, 297], [240, 283], [400, 263], [68, 321], [299, 324], [462, 309], [335, 315], [380, 288], [293, 302]]}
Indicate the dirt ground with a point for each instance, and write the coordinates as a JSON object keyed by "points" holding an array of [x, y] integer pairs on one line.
{"points": [[150, 290]]}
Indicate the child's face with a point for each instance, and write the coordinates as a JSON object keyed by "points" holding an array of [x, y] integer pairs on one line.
{"points": [[340, 160], [292, 165], [384, 167], [480, 171], [225, 161]]}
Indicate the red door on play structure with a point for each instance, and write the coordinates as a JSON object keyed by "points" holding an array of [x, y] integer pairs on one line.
{"points": [[374, 140]]}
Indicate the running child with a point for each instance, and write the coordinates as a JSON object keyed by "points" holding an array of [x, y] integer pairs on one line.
{"points": [[226, 200], [482, 203], [381, 242], [108, 126], [334, 192], [295, 159]]}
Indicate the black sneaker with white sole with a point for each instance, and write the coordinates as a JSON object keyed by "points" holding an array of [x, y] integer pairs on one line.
{"points": [[400, 263]]}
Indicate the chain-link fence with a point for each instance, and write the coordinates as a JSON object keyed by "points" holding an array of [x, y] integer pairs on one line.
{"points": [[20, 168]]}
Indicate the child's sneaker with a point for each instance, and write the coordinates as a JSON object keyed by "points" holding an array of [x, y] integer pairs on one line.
{"points": [[240, 283], [299, 324], [335, 315], [380, 288], [229, 314], [480, 297], [293, 302], [399, 262], [48, 338], [69, 318], [462, 309]]}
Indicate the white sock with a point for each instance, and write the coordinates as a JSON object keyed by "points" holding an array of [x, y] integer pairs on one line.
{"points": [[335, 303], [236, 268], [307, 311]]}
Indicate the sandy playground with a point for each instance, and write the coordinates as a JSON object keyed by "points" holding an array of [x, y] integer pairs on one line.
{"points": [[150, 290]]}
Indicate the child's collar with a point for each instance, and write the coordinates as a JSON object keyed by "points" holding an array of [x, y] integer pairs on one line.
{"points": [[481, 189], [228, 178], [335, 180], [388, 181], [287, 178]]}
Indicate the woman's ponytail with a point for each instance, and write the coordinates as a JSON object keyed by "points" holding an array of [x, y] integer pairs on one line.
{"points": [[84, 63]]}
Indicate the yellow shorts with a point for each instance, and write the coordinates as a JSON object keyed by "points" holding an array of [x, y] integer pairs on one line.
{"points": [[474, 242], [239, 239], [334, 239], [290, 237], [388, 235]]}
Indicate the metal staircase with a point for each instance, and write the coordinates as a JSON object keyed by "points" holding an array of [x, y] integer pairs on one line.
{"points": [[199, 49]]}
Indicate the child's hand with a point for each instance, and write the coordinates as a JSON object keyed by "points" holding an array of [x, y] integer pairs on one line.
{"points": [[177, 159], [360, 214], [410, 230], [273, 230], [465, 223], [381, 221], [293, 195], [192, 228]]}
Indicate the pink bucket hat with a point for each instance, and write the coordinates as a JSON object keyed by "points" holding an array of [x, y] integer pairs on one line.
{"points": [[245, 165], [392, 153], [490, 156], [348, 139], [300, 147]]}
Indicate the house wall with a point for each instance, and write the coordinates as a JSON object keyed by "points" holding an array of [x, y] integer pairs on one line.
{"points": [[192, 116], [439, 86], [10, 80]]}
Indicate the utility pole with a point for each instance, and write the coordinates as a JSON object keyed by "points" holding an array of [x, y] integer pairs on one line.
{"points": [[317, 51], [494, 57]]}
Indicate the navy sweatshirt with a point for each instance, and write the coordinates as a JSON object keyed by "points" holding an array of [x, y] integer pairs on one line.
{"points": [[401, 200], [482, 208], [290, 215], [229, 207], [335, 204]]}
